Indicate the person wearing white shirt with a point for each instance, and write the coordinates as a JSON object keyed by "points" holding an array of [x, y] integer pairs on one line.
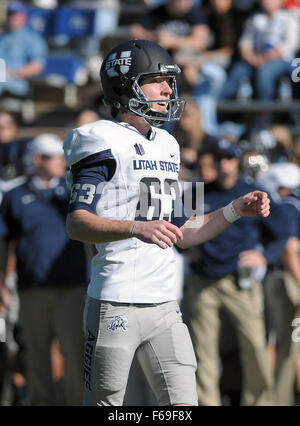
{"points": [[268, 45]]}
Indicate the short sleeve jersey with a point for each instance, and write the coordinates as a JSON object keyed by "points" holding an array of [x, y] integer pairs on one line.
{"points": [[181, 25], [139, 180]]}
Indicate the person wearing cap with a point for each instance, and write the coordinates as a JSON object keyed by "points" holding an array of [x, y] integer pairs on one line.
{"points": [[282, 285], [23, 51], [52, 273], [226, 276]]}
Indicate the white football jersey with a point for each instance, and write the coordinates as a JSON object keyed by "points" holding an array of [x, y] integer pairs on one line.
{"points": [[143, 187]]}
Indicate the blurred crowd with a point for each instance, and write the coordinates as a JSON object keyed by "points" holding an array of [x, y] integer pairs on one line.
{"points": [[240, 292]]}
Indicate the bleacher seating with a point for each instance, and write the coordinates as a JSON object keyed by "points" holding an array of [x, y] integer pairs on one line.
{"points": [[66, 71], [74, 22], [67, 21], [41, 21]]}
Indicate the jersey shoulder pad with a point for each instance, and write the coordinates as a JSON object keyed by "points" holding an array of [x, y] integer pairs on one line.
{"points": [[86, 140]]}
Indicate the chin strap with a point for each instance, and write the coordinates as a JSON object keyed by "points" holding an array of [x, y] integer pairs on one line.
{"points": [[153, 120]]}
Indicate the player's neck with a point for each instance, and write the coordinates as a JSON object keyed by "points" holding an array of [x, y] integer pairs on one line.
{"points": [[138, 122]]}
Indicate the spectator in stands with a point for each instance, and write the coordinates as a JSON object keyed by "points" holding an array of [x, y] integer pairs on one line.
{"points": [[227, 275], [181, 27], [23, 51], [52, 273], [284, 143], [8, 127], [175, 25], [223, 32], [268, 44], [191, 137], [206, 166], [212, 64], [243, 10], [178, 26], [282, 285], [188, 130], [14, 152]]}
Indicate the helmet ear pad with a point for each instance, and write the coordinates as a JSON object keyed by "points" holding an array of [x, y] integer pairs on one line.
{"points": [[117, 90], [122, 70]]}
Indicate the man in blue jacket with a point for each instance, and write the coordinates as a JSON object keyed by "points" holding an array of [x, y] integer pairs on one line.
{"points": [[228, 275], [51, 271], [23, 51]]}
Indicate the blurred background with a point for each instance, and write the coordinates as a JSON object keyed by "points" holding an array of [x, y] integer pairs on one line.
{"points": [[240, 62]]}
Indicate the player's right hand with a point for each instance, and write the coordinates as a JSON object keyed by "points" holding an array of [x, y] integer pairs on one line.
{"points": [[159, 232]]}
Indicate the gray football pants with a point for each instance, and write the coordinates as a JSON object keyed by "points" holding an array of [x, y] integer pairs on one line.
{"points": [[115, 332]]}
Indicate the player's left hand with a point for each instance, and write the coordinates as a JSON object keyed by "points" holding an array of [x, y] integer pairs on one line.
{"points": [[256, 203]]}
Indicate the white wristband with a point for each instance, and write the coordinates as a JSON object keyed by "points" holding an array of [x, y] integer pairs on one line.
{"points": [[230, 213]]}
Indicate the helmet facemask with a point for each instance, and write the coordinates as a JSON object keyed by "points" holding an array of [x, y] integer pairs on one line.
{"points": [[145, 108]]}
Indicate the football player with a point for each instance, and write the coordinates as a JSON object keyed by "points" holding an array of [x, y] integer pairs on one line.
{"points": [[125, 199]]}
